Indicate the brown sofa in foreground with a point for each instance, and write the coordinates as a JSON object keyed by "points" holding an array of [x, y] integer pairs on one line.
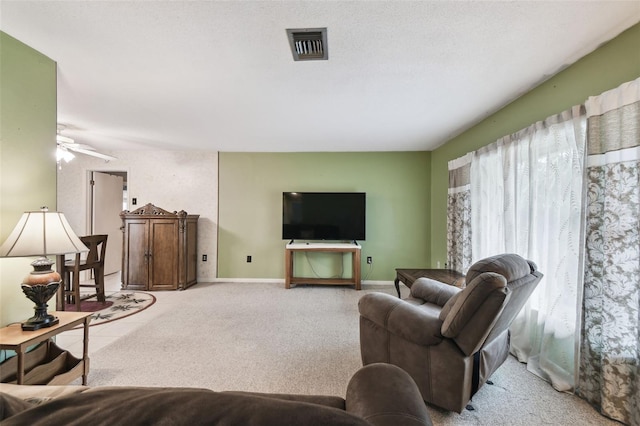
{"points": [[378, 394], [449, 340]]}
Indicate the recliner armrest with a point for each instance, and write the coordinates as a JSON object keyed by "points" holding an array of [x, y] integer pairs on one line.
{"points": [[432, 291], [419, 324], [384, 394]]}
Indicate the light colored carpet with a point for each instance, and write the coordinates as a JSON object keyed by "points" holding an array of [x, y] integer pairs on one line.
{"points": [[261, 337]]}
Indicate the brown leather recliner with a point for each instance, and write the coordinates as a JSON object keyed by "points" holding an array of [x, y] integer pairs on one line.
{"points": [[449, 340]]}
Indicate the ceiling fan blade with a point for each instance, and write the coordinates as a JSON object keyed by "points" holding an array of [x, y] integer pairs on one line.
{"points": [[79, 146], [64, 139], [90, 152]]}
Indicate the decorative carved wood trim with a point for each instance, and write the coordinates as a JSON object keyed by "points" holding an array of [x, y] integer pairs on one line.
{"points": [[182, 223], [151, 210]]}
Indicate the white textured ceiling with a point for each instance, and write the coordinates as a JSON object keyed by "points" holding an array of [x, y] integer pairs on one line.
{"points": [[219, 75]]}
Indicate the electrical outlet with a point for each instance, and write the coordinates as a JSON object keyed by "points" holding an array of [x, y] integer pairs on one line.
{"points": [[134, 201], [248, 259], [369, 260], [204, 257]]}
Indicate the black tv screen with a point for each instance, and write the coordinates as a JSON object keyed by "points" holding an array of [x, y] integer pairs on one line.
{"points": [[323, 215]]}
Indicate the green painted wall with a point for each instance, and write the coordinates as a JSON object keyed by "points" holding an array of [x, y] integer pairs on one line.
{"points": [[606, 68], [250, 213], [27, 156]]}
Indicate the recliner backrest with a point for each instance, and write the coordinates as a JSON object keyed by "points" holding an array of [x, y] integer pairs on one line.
{"points": [[469, 316], [521, 289], [497, 288]]}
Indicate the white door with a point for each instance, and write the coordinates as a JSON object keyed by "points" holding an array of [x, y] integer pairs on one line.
{"points": [[107, 194]]}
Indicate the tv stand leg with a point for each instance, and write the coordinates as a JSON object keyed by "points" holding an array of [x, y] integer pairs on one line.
{"points": [[288, 268]]}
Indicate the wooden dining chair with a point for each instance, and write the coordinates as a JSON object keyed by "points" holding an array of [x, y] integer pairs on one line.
{"points": [[97, 245]]}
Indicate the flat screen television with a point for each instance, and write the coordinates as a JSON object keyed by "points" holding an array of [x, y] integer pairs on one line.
{"points": [[323, 215]]}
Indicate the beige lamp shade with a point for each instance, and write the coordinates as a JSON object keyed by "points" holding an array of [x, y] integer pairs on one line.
{"points": [[42, 233]]}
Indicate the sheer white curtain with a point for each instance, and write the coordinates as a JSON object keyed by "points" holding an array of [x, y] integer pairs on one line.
{"points": [[526, 192]]}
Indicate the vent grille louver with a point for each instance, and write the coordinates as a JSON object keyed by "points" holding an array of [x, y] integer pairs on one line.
{"points": [[308, 44]]}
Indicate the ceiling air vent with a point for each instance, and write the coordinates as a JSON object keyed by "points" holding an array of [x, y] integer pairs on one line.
{"points": [[308, 44]]}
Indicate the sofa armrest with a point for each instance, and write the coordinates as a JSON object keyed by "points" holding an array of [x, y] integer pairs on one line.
{"points": [[432, 291], [419, 324], [384, 394], [40, 394], [11, 405], [15, 399]]}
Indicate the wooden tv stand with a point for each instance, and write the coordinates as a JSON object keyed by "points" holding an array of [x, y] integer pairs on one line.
{"points": [[292, 248]]}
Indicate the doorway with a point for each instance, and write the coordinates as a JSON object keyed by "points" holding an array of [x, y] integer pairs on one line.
{"points": [[107, 199]]}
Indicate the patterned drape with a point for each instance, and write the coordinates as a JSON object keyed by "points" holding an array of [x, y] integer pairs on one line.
{"points": [[459, 215], [609, 375]]}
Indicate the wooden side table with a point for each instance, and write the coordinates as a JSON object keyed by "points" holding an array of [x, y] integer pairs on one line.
{"points": [[409, 276], [14, 338]]}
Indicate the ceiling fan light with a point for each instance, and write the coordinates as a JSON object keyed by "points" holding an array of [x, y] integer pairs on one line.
{"points": [[63, 154]]}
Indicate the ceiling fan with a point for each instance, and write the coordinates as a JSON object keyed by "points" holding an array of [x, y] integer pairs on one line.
{"points": [[67, 146]]}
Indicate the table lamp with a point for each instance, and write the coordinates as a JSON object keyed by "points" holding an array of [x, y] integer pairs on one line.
{"points": [[41, 233]]}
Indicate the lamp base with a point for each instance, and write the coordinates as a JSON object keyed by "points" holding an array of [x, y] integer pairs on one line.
{"points": [[40, 294], [35, 323]]}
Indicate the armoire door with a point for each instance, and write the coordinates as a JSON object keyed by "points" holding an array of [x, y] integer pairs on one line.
{"points": [[164, 254], [135, 261]]}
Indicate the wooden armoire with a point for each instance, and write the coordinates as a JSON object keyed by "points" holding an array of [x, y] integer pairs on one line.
{"points": [[159, 249]]}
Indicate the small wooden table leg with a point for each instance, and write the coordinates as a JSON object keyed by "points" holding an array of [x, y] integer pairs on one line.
{"points": [[20, 378], [85, 351], [397, 284]]}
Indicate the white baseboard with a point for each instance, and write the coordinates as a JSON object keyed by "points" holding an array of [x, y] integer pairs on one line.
{"points": [[277, 281], [372, 282], [248, 280]]}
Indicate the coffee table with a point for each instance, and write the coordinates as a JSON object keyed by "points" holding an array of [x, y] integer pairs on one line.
{"points": [[409, 276]]}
